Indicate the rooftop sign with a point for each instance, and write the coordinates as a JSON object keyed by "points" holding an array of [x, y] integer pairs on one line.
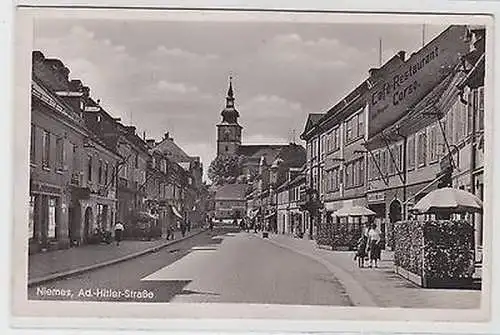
{"points": [[398, 90]]}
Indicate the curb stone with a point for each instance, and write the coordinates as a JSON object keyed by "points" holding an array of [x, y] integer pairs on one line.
{"points": [[65, 274], [357, 293]]}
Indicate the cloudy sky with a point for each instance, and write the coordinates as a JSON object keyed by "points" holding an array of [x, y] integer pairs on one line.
{"points": [[173, 76]]}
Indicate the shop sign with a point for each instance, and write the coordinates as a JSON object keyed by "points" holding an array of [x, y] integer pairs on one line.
{"points": [[375, 197], [398, 90], [43, 188]]}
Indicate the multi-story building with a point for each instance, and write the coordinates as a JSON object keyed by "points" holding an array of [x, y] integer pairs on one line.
{"points": [[409, 134], [336, 161], [288, 212], [193, 207], [365, 151], [130, 172], [263, 199], [71, 193]]}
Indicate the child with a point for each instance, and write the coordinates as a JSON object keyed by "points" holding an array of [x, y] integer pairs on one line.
{"points": [[361, 251]]}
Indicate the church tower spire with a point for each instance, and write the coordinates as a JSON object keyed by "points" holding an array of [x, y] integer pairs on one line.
{"points": [[229, 131]]}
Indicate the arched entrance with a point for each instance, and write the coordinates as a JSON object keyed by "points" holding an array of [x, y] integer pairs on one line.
{"points": [[87, 224], [395, 215]]}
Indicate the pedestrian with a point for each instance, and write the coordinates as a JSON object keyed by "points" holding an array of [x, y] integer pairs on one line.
{"points": [[183, 228], [373, 245], [361, 250], [118, 232], [189, 226]]}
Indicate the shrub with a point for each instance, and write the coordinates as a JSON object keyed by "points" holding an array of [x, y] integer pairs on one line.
{"points": [[436, 250]]}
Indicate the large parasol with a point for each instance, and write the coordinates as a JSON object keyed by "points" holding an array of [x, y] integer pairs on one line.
{"points": [[449, 200], [354, 211]]}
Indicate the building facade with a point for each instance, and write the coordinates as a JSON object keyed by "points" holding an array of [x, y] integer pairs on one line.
{"points": [[72, 189], [381, 146]]}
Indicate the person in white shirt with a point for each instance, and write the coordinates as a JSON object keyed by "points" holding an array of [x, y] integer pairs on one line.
{"points": [[373, 244], [118, 232]]}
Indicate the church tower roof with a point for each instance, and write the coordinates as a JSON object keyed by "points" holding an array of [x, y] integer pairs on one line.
{"points": [[230, 114]]}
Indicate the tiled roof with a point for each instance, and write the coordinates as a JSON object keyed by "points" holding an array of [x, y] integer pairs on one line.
{"points": [[173, 151]]}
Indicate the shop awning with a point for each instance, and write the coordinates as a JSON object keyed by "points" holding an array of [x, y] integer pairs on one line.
{"points": [[176, 212], [270, 215], [354, 211]]}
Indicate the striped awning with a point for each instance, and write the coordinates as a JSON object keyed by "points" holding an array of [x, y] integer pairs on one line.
{"points": [[176, 212]]}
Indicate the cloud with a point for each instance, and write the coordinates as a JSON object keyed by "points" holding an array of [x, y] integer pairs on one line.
{"points": [[168, 87], [163, 51]]}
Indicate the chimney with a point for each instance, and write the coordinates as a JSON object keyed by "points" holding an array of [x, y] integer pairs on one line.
{"points": [[144, 135], [131, 129], [166, 136], [37, 56], [151, 142], [402, 55], [86, 91], [373, 71]]}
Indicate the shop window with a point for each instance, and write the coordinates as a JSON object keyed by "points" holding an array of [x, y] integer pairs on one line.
{"points": [[31, 217], [33, 144], [51, 224], [46, 150]]}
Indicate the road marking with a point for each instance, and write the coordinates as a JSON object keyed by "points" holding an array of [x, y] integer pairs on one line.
{"points": [[185, 268], [206, 248]]}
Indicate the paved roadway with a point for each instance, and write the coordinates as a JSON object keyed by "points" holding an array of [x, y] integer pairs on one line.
{"points": [[219, 266]]}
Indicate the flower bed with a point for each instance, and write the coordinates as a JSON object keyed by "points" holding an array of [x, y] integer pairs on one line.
{"points": [[435, 253]]}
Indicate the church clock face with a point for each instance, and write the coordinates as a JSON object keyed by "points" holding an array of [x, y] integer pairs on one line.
{"points": [[227, 134]]}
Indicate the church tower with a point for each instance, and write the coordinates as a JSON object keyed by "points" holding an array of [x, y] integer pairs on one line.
{"points": [[229, 131]]}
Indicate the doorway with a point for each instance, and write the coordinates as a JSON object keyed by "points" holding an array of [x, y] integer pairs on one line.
{"points": [[87, 226], [395, 215]]}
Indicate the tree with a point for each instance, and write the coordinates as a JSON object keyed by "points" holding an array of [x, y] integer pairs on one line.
{"points": [[224, 169]]}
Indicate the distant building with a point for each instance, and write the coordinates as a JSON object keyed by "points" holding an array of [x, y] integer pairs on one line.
{"points": [[230, 201], [229, 133]]}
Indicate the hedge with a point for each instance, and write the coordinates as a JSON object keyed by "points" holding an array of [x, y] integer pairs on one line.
{"points": [[437, 251]]}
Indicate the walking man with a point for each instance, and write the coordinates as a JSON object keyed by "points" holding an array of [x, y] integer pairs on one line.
{"points": [[118, 232]]}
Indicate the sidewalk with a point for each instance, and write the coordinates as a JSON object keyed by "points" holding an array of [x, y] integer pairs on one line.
{"points": [[43, 267], [380, 286]]}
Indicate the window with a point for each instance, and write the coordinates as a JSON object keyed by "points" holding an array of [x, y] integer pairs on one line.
{"points": [[355, 173], [411, 153], [355, 127], [392, 157], [422, 149], [59, 153], [75, 157], [106, 173], [89, 168], [32, 143], [226, 148], [136, 161], [46, 149], [480, 118], [374, 165], [100, 171], [433, 144], [383, 162]]}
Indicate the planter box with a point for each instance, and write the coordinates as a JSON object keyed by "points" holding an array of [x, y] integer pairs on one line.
{"points": [[434, 254]]}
